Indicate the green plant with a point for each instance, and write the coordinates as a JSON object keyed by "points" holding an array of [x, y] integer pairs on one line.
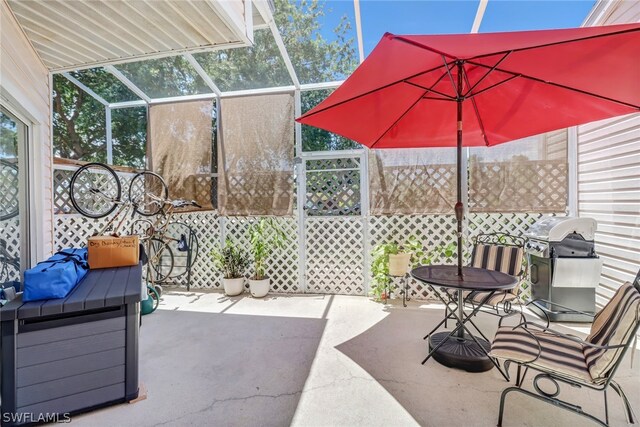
{"points": [[439, 252], [265, 235], [380, 262], [419, 256], [231, 260]]}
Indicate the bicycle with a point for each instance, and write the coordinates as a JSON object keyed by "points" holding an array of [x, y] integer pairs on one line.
{"points": [[9, 190], [96, 191], [167, 239]]}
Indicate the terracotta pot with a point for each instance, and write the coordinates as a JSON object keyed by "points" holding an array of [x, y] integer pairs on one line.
{"points": [[399, 264], [259, 288], [233, 286]]}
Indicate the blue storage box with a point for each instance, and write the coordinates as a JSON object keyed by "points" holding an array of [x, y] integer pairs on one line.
{"points": [[57, 276]]}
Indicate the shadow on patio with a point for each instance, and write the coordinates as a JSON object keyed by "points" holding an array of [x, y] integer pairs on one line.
{"points": [[208, 368], [392, 349]]}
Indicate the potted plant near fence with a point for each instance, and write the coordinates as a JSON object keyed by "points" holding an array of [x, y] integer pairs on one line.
{"points": [[265, 236], [392, 259], [232, 261], [383, 253]]}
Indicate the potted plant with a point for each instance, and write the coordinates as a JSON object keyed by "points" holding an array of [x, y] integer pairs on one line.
{"points": [[265, 236], [232, 262], [392, 259]]}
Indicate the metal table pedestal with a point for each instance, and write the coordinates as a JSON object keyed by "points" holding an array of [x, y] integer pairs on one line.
{"points": [[460, 348]]}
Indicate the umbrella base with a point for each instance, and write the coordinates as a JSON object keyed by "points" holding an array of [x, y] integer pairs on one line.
{"points": [[461, 353]]}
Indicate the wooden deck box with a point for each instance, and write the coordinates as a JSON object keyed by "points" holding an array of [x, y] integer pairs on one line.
{"points": [[72, 354]]}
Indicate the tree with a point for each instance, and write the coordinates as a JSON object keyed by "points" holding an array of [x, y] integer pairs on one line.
{"points": [[79, 120], [8, 137], [315, 60]]}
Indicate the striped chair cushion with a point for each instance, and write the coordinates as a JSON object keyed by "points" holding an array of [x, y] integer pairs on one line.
{"points": [[506, 259], [613, 325], [558, 354], [495, 299]]}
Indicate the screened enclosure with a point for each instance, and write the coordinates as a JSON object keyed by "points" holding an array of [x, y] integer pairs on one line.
{"points": [[219, 127]]}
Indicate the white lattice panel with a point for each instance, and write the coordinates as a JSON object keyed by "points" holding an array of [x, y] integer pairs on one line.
{"points": [[433, 231], [9, 189], [335, 250], [438, 230], [10, 234], [335, 255], [206, 226], [333, 187], [282, 266]]}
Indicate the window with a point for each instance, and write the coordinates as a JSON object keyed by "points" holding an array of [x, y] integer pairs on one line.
{"points": [[13, 198]]}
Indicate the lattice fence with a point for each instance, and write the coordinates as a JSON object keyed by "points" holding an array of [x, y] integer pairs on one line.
{"points": [[539, 186], [437, 231], [9, 189], [433, 231], [282, 266], [333, 187], [10, 238], [335, 255], [334, 245]]}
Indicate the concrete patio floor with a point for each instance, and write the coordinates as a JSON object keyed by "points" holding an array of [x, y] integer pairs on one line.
{"points": [[320, 360]]}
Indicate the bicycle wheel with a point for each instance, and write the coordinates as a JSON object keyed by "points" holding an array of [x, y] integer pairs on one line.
{"points": [[9, 190], [160, 260], [147, 192], [95, 190], [174, 232]]}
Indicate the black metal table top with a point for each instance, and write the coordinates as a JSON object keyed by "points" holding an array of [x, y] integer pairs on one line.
{"points": [[100, 288], [473, 279]]}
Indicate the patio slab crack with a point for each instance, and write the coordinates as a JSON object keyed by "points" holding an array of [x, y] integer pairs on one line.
{"points": [[230, 399]]}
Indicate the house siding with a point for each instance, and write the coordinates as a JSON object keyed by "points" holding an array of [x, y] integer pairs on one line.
{"points": [[608, 164], [25, 88]]}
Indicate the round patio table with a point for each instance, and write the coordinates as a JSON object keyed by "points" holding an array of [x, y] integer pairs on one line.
{"points": [[460, 348]]}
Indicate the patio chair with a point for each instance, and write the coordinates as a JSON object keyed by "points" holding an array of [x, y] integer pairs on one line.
{"points": [[500, 252], [562, 358]]}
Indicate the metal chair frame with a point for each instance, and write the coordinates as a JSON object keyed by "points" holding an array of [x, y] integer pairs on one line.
{"points": [[498, 238], [557, 378]]}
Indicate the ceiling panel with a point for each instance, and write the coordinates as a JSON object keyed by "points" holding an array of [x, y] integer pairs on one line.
{"points": [[72, 34]]}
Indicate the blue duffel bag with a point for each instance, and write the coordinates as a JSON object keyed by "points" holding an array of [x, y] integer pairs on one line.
{"points": [[57, 276]]}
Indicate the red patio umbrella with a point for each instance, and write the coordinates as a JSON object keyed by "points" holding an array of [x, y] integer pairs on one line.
{"points": [[415, 91]]}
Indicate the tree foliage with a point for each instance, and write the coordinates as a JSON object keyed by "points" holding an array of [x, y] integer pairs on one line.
{"points": [[79, 120], [8, 137]]}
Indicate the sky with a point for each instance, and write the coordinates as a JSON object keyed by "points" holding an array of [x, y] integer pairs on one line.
{"points": [[452, 16]]}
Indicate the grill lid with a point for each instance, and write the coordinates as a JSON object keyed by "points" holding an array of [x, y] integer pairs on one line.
{"points": [[555, 228]]}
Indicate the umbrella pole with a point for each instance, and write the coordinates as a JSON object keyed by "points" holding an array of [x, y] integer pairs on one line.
{"points": [[459, 206]]}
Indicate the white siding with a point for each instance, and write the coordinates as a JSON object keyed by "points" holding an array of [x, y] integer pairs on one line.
{"points": [[24, 83], [609, 176]]}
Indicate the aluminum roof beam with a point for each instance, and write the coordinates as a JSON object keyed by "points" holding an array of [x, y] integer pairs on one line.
{"points": [[128, 83], [86, 89], [266, 14], [202, 73]]}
